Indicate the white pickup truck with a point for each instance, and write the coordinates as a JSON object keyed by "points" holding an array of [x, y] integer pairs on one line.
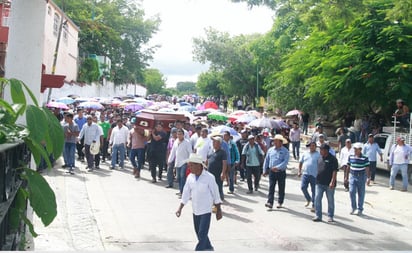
{"points": [[385, 141]]}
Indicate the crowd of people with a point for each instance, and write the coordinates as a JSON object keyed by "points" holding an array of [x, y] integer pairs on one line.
{"points": [[192, 153]]}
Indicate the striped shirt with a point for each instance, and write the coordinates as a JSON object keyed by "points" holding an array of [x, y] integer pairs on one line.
{"points": [[358, 163]]}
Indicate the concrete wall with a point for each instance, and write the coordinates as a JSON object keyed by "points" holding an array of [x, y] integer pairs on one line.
{"points": [[96, 90], [25, 48]]}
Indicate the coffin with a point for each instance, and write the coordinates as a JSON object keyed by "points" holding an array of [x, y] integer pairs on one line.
{"points": [[147, 119]]}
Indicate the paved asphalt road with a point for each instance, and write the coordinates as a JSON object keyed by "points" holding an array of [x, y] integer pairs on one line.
{"points": [[111, 210]]}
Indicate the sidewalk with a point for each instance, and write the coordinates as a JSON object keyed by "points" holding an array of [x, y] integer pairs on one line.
{"points": [[111, 210]]}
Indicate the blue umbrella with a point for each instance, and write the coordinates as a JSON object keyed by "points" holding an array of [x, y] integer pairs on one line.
{"points": [[185, 104], [66, 100], [187, 108], [91, 105]]}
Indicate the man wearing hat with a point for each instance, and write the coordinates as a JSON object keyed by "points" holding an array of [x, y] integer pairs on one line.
{"points": [[370, 149], [325, 182], [202, 189], [275, 166], [217, 163], [250, 158], [399, 160], [358, 168], [309, 163]]}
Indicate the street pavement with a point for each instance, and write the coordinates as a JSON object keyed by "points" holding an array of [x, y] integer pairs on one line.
{"points": [[111, 210]]}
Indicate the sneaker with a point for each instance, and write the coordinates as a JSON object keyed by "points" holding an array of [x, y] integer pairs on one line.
{"points": [[330, 220], [279, 206], [391, 188], [269, 205], [178, 193], [230, 192], [256, 189], [249, 192], [97, 168], [64, 166], [352, 212], [404, 190], [169, 186], [316, 219], [154, 181], [312, 209], [360, 213], [112, 168], [90, 169]]}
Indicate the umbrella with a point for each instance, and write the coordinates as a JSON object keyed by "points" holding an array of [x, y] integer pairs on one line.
{"points": [[81, 99], [116, 102], [255, 113], [133, 107], [185, 104], [245, 118], [66, 100], [238, 113], [265, 123], [217, 116], [187, 108], [293, 112], [281, 123], [59, 105], [129, 101], [210, 104], [91, 105]]}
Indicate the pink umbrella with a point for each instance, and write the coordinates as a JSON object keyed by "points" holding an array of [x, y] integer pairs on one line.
{"points": [[293, 112], [133, 107], [59, 105]]}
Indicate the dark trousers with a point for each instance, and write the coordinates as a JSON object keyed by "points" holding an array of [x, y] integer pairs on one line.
{"points": [[372, 167], [104, 149], [156, 160], [202, 225], [280, 178], [255, 171], [97, 159], [89, 156], [79, 147]]}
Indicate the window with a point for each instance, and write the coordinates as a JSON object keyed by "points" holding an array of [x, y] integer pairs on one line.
{"points": [[49, 11], [65, 32], [56, 24]]}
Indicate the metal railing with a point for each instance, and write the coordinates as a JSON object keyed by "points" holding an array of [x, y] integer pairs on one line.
{"points": [[12, 156]]}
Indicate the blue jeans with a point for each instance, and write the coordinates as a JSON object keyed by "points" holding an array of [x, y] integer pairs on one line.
{"points": [[404, 171], [357, 181], [277, 177], [118, 148], [139, 153], [232, 178], [330, 193], [202, 225], [306, 181], [69, 153], [181, 176], [295, 148], [169, 174]]}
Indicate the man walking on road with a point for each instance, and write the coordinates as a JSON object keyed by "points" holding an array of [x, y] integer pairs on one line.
{"points": [[91, 134], [217, 163], [251, 154], [275, 165], [326, 182], [202, 189], [399, 160], [370, 149], [309, 163], [358, 167], [294, 137], [118, 141]]}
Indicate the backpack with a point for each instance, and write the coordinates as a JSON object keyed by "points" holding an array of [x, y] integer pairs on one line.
{"points": [[260, 157]]}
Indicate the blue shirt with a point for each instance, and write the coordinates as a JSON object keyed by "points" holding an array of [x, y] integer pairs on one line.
{"points": [[80, 121], [309, 162], [225, 147], [370, 150], [278, 158]]}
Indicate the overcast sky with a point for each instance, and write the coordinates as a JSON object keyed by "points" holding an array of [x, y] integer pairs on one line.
{"points": [[182, 20]]}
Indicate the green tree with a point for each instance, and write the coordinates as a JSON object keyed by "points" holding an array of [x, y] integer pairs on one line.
{"points": [[186, 88], [154, 81], [117, 29], [208, 83]]}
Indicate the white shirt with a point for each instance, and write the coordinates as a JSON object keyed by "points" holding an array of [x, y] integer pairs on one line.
{"points": [[119, 135], [203, 192], [193, 140], [180, 152], [294, 135], [344, 155], [90, 133], [203, 147]]}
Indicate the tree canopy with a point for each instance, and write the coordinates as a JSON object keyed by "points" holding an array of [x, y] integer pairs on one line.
{"points": [[328, 56]]}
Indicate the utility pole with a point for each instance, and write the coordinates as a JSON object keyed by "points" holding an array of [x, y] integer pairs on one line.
{"points": [[56, 50], [257, 84]]}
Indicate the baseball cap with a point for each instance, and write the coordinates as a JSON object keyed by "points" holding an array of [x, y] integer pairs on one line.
{"points": [[250, 137], [325, 146]]}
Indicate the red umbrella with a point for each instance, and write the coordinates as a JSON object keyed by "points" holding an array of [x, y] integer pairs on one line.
{"points": [[210, 104]]}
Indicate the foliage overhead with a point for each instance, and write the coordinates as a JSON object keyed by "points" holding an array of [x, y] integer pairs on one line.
{"points": [[117, 29]]}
